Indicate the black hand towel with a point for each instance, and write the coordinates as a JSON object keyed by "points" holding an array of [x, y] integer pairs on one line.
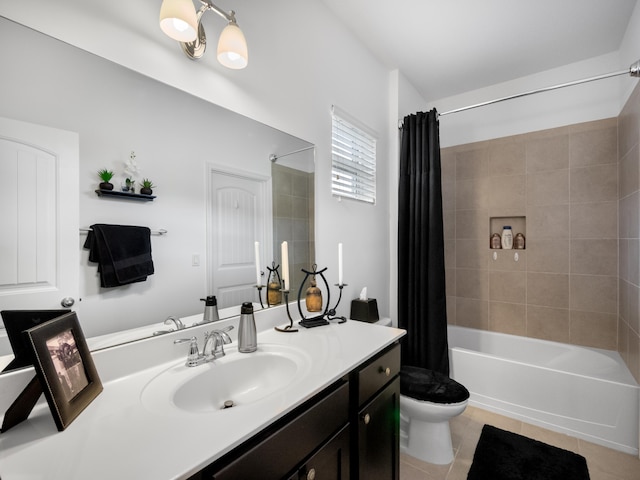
{"points": [[123, 253]]}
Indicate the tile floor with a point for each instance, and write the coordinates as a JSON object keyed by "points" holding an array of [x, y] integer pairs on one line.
{"points": [[603, 463]]}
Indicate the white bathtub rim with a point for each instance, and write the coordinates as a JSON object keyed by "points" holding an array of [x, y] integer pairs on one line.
{"points": [[623, 376], [627, 381]]}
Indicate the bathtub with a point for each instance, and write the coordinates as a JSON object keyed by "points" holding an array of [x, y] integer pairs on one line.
{"points": [[587, 393]]}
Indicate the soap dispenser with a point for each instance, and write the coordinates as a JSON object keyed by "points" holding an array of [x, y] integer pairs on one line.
{"points": [[247, 335], [210, 309]]}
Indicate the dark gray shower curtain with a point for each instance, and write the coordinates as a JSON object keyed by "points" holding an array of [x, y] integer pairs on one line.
{"points": [[421, 282]]}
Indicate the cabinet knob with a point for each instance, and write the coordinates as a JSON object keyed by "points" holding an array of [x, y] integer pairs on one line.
{"points": [[311, 474], [386, 371], [366, 418]]}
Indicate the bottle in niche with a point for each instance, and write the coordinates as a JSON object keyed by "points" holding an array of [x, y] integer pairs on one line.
{"points": [[507, 237], [519, 242], [495, 242]]}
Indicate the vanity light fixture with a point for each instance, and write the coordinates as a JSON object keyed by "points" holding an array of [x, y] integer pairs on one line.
{"points": [[179, 20]]}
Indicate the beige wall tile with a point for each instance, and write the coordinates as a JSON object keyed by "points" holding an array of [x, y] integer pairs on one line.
{"points": [[623, 340], [628, 173], [629, 124], [473, 224], [471, 253], [549, 152], [505, 260], [548, 255], [472, 283], [548, 289], [598, 183], [594, 256], [449, 224], [507, 286], [451, 310], [507, 193], [548, 323], [594, 220], [507, 159], [472, 164], [448, 195], [623, 300], [593, 143], [448, 164], [472, 194], [507, 318], [450, 281], [629, 225], [472, 313], [593, 293], [633, 307], [548, 221], [548, 188], [593, 329]]}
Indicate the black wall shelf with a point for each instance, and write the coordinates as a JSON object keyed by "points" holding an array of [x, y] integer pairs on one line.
{"points": [[127, 195]]}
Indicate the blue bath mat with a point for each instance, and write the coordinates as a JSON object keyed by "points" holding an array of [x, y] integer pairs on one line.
{"points": [[502, 455]]}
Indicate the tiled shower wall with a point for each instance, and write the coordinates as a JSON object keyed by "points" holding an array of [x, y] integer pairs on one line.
{"points": [[629, 233], [564, 182], [293, 220]]}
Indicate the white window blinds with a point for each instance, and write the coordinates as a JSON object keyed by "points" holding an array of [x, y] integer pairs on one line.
{"points": [[353, 159]]}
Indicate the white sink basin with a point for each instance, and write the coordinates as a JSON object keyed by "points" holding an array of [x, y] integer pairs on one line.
{"points": [[241, 378]]}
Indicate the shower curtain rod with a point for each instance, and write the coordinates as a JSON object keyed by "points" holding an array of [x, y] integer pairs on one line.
{"points": [[273, 157], [633, 70]]}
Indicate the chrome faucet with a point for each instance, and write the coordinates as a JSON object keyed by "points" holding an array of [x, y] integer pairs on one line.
{"points": [[213, 346], [175, 321], [218, 339]]}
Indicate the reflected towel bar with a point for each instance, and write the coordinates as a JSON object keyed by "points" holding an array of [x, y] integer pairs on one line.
{"points": [[159, 232]]}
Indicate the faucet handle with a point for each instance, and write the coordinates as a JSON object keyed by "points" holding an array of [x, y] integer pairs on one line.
{"points": [[224, 336], [193, 357]]}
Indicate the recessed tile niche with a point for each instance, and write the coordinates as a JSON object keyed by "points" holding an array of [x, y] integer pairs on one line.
{"points": [[518, 225]]}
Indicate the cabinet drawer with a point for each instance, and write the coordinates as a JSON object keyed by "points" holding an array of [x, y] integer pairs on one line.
{"points": [[277, 454], [378, 373]]}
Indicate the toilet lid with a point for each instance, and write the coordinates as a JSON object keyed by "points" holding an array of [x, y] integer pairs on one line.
{"points": [[430, 386]]}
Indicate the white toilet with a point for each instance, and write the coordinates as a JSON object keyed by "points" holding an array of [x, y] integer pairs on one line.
{"points": [[427, 401], [424, 429]]}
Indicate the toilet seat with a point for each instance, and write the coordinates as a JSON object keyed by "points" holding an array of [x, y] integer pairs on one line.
{"points": [[431, 386]]}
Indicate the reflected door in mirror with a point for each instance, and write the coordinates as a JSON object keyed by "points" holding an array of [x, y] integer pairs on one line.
{"points": [[239, 216]]}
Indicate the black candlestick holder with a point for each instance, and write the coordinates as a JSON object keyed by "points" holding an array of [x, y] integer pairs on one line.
{"points": [[288, 328]]}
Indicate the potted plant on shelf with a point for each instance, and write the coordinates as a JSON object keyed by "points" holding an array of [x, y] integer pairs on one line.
{"points": [[105, 175], [147, 185]]}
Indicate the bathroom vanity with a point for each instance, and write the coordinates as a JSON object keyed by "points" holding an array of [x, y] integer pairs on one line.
{"points": [[319, 403]]}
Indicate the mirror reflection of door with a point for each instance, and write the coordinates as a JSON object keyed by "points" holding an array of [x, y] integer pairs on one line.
{"points": [[39, 236], [239, 215]]}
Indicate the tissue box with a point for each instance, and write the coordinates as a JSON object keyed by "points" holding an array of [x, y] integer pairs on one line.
{"points": [[364, 310]]}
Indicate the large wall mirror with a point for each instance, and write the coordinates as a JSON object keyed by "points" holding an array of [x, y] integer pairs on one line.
{"points": [[178, 141]]}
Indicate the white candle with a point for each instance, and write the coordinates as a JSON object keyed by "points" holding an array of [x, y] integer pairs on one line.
{"points": [[340, 264], [258, 275], [285, 265]]}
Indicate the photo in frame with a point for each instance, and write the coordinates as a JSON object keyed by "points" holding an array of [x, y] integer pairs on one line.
{"points": [[64, 367]]}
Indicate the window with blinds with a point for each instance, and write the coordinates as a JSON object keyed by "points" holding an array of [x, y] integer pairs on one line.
{"points": [[353, 159]]}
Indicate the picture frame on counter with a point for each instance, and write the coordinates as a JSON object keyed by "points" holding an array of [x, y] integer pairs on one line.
{"points": [[64, 367]]}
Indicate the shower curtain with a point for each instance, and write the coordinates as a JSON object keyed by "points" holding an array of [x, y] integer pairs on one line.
{"points": [[421, 281]]}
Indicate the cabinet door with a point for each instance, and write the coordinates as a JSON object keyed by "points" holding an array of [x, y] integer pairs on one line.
{"points": [[378, 435], [331, 462]]}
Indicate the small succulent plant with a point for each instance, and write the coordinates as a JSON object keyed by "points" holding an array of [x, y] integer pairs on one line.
{"points": [[105, 175]]}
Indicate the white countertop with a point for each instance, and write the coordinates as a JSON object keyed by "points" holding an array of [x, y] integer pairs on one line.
{"points": [[118, 437]]}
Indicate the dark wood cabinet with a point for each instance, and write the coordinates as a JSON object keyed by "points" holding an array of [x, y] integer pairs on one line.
{"points": [[375, 418], [378, 436], [349, 431]]}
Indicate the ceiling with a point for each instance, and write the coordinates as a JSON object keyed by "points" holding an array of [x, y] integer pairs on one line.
{"points": [[447, 47]]}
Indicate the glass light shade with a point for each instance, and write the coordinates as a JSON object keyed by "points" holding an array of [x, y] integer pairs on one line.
{"points": [[178, 20], [232, 47]]}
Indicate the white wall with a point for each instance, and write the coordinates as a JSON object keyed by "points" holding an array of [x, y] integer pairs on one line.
{"points": [[301, 62]]}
